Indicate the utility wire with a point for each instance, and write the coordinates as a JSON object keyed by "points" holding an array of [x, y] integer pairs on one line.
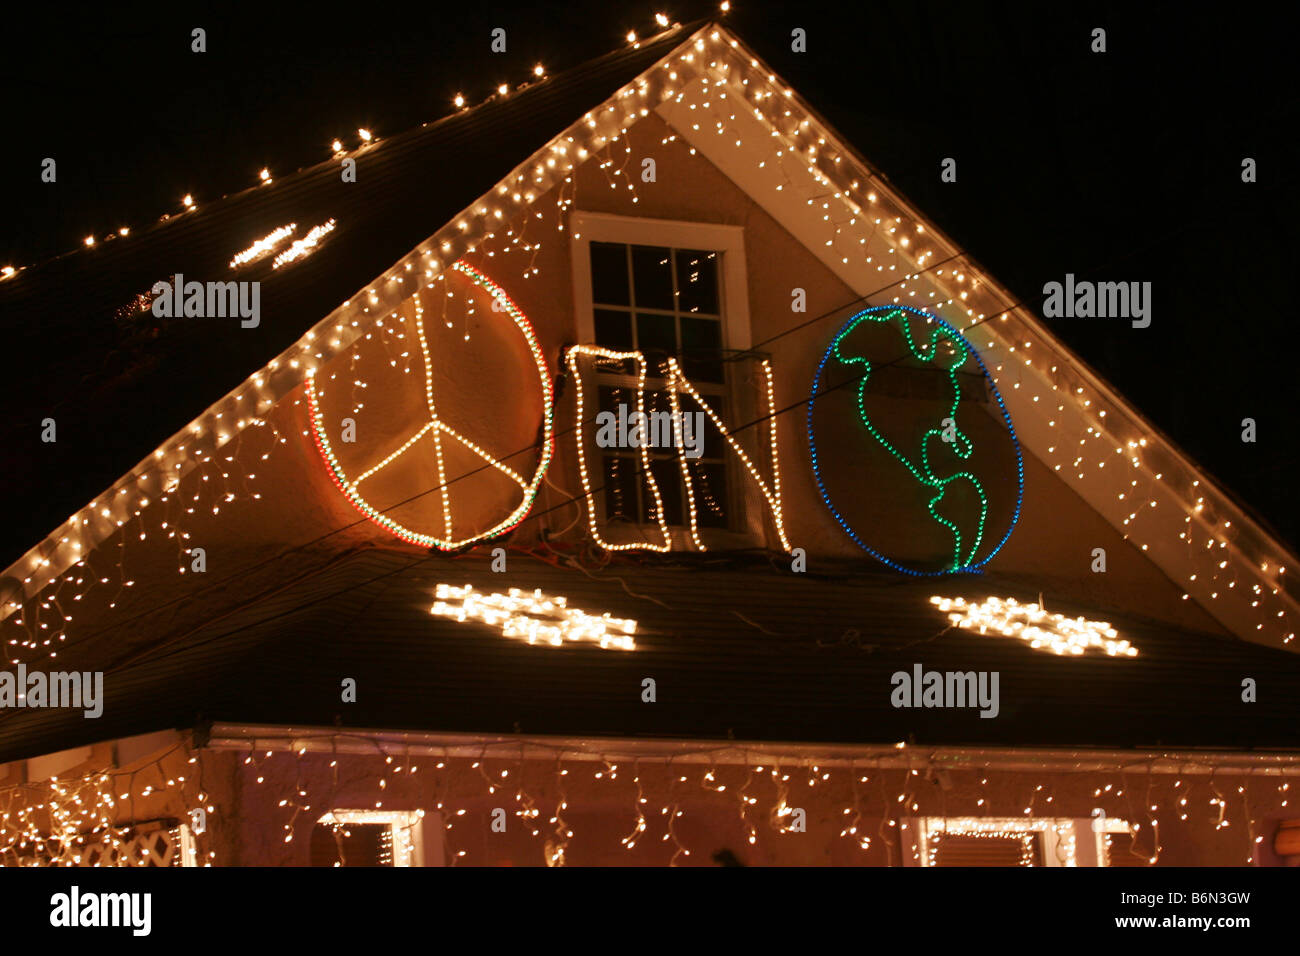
{"points": [[572, 499]]}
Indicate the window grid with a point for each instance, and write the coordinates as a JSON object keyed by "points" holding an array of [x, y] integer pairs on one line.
{"points": [[713, 510], [707, 472]]}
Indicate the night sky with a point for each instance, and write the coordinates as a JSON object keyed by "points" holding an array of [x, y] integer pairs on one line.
{"points": [[1122, 166]]}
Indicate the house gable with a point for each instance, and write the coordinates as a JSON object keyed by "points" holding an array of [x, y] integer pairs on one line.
{"points": [[875, 247], [1066, 415]]}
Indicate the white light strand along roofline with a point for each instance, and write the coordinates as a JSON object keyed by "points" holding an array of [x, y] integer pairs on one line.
{"points": [[1001, 327], [1143, 760], [538, 174], [1250, 545]]}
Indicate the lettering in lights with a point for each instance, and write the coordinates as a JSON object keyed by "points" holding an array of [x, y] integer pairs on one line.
{"points": [[541, 618], [676, 385]]}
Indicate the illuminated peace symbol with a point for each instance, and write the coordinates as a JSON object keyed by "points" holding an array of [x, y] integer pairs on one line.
{"points": [[435, 430]]}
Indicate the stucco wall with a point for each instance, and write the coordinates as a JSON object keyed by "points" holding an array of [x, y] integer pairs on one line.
{"points": [[488, 389], [602, 812], [1057, 532]]}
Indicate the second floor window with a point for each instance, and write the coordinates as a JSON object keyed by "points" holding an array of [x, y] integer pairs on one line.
{"points": [[663, 302]]}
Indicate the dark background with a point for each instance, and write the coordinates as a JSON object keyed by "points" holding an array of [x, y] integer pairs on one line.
{"points": [[1118, 166]]}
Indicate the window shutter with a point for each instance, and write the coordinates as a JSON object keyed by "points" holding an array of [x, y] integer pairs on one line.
{"points": [[1287, 840], [960, 849], [352, 844], [1121, 851]]}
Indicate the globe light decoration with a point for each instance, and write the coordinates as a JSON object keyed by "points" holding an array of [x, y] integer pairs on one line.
{"points": [[941, 341], [1039, 628], [536, 617]]}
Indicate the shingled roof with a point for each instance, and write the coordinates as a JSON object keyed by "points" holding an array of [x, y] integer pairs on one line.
{"points": [[118, 388], [737, 649]]}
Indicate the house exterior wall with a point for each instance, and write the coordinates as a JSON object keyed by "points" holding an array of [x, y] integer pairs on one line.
{"points": [[1053, 543], [300, 507], [84, 801], [261, 806], [1052, 546], [601, 812]]}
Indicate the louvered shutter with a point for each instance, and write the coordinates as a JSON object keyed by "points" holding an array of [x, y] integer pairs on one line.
{"points": [[959, 849], [352, 844], [1120, 851]]}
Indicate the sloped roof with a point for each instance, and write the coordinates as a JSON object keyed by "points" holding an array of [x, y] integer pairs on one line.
{"points": [[282, 659], [1238, 576], [118, 389], [738, 648]]}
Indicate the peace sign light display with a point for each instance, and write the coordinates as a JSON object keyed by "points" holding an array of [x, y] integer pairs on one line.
{"points": [[442, 441]]}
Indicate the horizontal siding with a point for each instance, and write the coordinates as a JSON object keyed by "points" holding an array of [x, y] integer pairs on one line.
{"points": [[791, 675]]}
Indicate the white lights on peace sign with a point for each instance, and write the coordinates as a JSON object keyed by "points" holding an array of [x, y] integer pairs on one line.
{"points": [[474, 418]]}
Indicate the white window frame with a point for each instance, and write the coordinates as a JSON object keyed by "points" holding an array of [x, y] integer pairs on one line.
{"points": [[748, 528], [1055, 832], [1107, 826], [589, 227], [189, 847], [408, 851]]}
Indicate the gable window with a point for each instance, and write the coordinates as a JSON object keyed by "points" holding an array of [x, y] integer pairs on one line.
{"points": [[662, 302], [666, 290]]}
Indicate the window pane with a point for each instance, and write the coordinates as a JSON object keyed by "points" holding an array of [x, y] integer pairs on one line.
{"points": [[697, 281], [609, 273], [709, 481], [657, 401], [351, 844], [612, 395], [656, 337], [669, 478], [658, 431], [614, 329], [620, 479], [702, 349], [652, 277]]}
